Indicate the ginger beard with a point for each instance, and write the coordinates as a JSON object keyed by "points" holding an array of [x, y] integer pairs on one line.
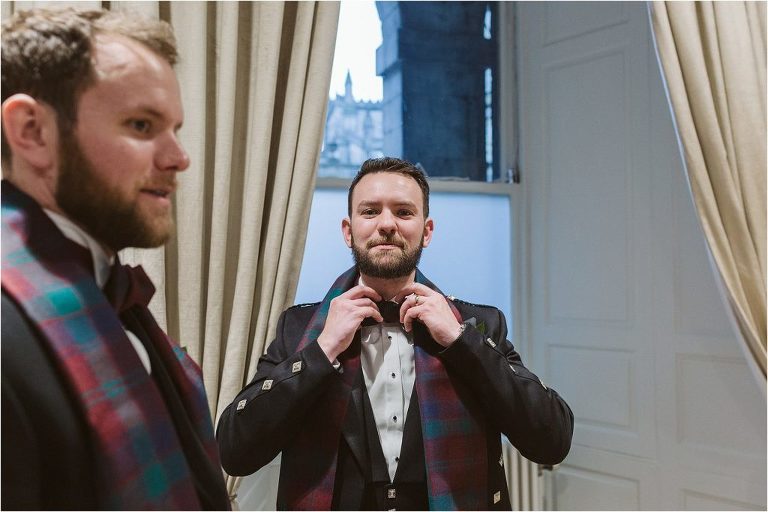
{"points": [[107, 214], [390, 264]]}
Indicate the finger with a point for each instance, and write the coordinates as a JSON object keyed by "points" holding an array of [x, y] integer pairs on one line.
{"points": [[408, 303], [359, 292], [405, 292], [353, 293], [411, 315], [423, 290], [417, 288], [363, 291], [362, 302], [372, 312]]}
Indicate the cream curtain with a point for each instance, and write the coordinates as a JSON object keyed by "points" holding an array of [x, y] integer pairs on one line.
{"points": [[713, 59], [255, 78]]}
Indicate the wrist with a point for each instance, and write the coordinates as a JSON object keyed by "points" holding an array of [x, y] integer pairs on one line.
{"points": [[329, 349], [460, 333], [454, 337]]}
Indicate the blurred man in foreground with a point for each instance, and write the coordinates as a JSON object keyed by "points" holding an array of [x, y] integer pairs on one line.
{"points": [[100, 409]]}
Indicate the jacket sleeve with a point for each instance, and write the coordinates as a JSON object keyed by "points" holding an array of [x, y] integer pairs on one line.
{"points": [[21, 478], [535, 418], [271, 409]]}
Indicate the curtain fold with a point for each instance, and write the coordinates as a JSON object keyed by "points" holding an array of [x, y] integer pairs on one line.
{"points": [[254, 78], [713, 60], [256, 95]]}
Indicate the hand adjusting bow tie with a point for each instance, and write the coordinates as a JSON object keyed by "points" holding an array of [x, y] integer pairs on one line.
{"points": [[389, 310], [128, 286]]}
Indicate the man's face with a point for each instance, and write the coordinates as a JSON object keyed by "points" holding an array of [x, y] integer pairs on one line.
{"points": [[387, 229], [118, 166]]}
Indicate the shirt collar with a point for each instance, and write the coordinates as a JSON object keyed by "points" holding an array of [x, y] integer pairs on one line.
{"points": [[102, 262]]}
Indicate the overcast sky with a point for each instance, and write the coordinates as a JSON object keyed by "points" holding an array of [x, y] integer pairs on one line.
{"points": [[359, 36]]}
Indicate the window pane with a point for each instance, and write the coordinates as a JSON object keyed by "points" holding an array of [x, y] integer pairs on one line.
{"points": [[467, 258], [414, 80], [354, 124]]}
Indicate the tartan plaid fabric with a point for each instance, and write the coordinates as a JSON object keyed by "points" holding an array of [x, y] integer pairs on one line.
{"points": [[141, 459], [454, 440], [313, 489], [454, 437]]}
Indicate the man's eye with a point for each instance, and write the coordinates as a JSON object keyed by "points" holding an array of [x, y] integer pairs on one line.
{"points": [[368, 211], [141, 125], [405, 213]]}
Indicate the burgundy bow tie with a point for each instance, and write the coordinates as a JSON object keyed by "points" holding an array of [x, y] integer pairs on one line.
{"points": [[81, 256], [128, 286], [389, 310]]}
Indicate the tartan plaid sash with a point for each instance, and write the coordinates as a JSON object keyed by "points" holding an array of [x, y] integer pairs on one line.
{"points": [[454, 437], [141, 460]]}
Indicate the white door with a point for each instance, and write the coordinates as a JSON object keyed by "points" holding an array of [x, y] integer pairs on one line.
{"points": [[622, 314]]}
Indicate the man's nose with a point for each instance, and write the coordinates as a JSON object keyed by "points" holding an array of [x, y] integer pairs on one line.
{"points": [[387, 222], [171, 155]]}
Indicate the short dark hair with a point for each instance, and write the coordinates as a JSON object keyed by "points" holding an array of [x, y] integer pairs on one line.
{"points": [[47, 54], [391, 164]]}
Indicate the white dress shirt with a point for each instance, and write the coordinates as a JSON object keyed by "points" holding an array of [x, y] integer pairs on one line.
{"points": [[102, 264], [387, 359]]}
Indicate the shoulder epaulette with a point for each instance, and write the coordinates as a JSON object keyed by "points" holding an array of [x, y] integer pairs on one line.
{"points": [[454, 299], [305, 305]]}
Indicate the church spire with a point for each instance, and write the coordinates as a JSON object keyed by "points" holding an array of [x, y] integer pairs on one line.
{"points": [[348, 86]]}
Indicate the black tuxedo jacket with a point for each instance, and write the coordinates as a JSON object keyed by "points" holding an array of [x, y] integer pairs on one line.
{"points": [[261, 423], [48, 459]]}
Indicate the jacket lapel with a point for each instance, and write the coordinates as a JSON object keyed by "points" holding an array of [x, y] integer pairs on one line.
{"points": [[353, 428]]}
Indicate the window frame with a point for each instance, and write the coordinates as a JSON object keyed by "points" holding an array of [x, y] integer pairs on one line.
{"points": [[510, 184]]}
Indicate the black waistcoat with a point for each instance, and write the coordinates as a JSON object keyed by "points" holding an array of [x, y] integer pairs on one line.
{"points": [[408, 490]]}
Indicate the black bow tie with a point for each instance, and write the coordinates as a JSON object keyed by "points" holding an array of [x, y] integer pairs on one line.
{"points": [[128, 286], [389, 310]]}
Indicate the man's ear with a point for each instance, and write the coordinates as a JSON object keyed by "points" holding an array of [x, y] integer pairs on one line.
{"points": [[429, 227], [346, 230], [30, 128]]}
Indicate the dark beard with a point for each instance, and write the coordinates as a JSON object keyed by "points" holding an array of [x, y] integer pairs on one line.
{"points": [[102, 212], [402, 266]]}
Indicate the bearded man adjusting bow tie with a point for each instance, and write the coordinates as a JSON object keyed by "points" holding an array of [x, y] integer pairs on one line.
{"points": [[387, 394]]}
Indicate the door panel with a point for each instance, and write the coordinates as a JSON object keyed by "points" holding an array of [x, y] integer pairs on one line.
{"points": [[623, 315]]}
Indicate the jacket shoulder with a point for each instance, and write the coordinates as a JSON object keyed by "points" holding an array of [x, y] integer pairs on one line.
{"points": [[301, 310], [304, 306], [300, 314], [466, 305], [487, 319]]}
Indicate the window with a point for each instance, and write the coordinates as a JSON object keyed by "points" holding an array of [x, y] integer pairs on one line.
{"points": [[415, 80], [469, 257]]}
